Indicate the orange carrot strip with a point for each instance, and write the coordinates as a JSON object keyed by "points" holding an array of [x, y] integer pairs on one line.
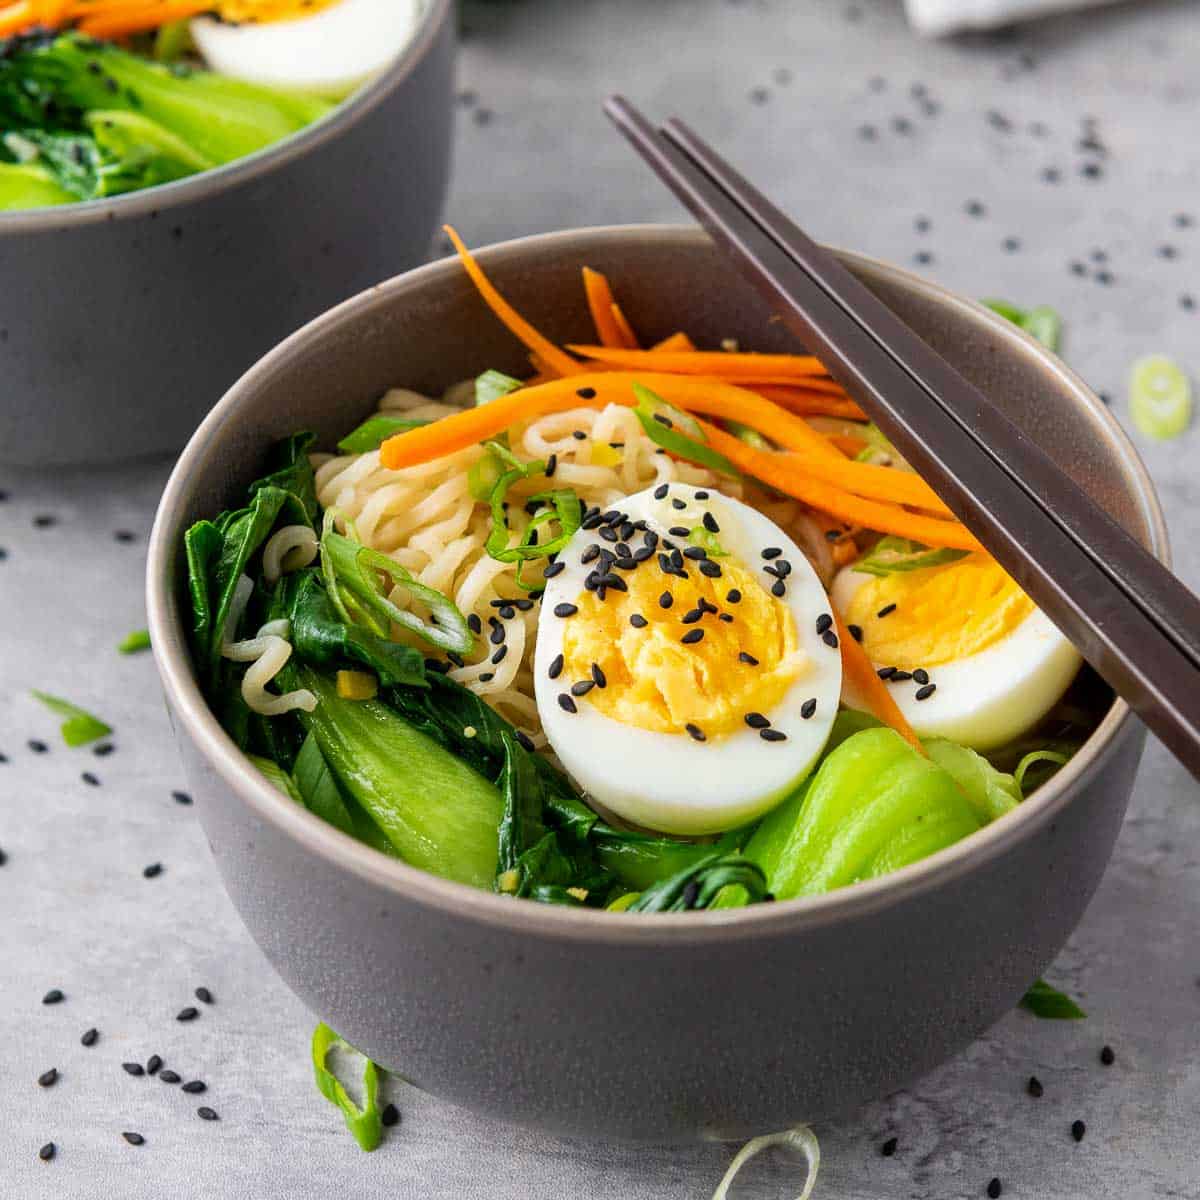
{"points": [[779, 392], [122, 21], [627, 335], [858, 669], [788, 475], [851, 447], [677, 341], [713, 363], [16, 17], [600, 305], [545, 349], [812, 404], [870, 481]]}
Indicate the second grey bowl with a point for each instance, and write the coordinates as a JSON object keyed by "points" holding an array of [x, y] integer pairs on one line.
{"points": [[670, 1027], [122, 320]]}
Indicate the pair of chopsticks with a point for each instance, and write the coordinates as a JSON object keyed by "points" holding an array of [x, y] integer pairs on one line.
{"points": [[1128, 615]]}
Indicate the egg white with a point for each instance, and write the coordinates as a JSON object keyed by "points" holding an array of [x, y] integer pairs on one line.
{"points": [[330, 52], [667, 781], [984, 699]]}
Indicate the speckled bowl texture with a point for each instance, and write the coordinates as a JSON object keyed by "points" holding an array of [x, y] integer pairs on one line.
{"points": [[122, 320], [671, 1027]]}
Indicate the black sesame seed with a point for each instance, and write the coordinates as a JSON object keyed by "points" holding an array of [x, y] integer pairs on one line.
{"points": [[692, 616], [704, 606], [438, 668], [855, 631], [582, 687], [1107, 1056], [808, 708], [692, 637], [169, 1076], [975, 208], [507, 612], [923, 693], [608, 533], [779, 588], [589, 554], [1034, 1087], [828, 637], [824, 622], [690, 894], [487, 677], [566, 703], [1078, 1129], [474, 624], [456, 659], [524, 605], [153, 1063], [53, 996], [551, 466], [710, 523], [771, 552], [152, 871], [133, 1068], [90, 1037], [578, 434], [670, 425], [889, 1147], [555, 668], [650, 538], [726, 617], [733, 596], [206, 1114], [924, 257], [48, 1078], [499, 656], [621, 550], [695, 732], [680, 531], [46, 1153], [756, 720], [45, 520], [134, 1139], [1104, 277], [642, 554], [194, 1087], [638, 621], [696, 553], [921, 676], [564, 610], [590, 521], [748, 659], [666, 600], [586, 393], [390, 1116], [187, 1014], [660, 492], [702, 496], [524, 740], [613, 581], [1187, 302], [90, 779], [38, 747], [994, 1189], [772, 735], [886, 610], [103, 750], [886, 672], [598, 676]]}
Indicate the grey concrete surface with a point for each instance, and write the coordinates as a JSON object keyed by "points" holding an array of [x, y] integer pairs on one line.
{"points": [[534, 153]]}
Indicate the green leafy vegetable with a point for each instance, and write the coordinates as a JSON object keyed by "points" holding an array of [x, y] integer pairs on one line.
{"points": [[891, 554], [873, 806], [992, 793], [1042, 323], [677, 433], [357, 580], [491, 385], [79, 726], [1054, 757], [698, 885], [28, 185], [374, 431], [365, 1122], [437, 812], [134, 642], [172, 41], [641, 860], [1049, 1003], [277, 776]]}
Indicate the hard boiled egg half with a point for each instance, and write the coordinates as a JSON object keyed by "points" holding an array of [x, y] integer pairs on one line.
{"points": [[685, 673], [326, 46], [965, 653]]}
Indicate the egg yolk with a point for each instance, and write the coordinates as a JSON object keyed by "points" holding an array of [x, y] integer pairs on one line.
{"points": [[656, 681], [244, 12], [940, 613]]}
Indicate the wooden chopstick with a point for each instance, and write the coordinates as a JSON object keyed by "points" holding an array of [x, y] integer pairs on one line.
{"points": [[1130, 618]]}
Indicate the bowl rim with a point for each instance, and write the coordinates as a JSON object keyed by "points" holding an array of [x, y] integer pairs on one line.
{"points": [[157, 200], [580, 924]]}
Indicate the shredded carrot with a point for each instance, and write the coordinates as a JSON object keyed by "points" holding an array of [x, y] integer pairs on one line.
{"points": [[677, 341], [851, 447], [600, 304], [115, 21], [859, 671], [16, 17], [712, 363], [779, 392], [776, 470], [807, 403], [546, 350], [870, 481], [628, 336]]}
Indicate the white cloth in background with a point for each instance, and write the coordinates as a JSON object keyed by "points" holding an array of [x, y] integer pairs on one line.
{"points": [[937, 17]]}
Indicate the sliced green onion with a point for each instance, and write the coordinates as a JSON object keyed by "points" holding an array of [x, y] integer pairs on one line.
{"points": [[491, 385], [1010, 312], [79, 726], [800, 1138], [134, 642], [751, 437], [707, 541], [1037, 756], [891, 554], [356, 577], [1042, 322], [365, 1122], [879, 449], [662, 423], [561, 505], [1050, 1004], [485, 472], [1160, 397], [374, 431]]}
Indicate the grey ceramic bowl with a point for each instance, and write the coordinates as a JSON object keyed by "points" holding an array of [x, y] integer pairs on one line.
{"points": [[604, 1025], [122, 320]]}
